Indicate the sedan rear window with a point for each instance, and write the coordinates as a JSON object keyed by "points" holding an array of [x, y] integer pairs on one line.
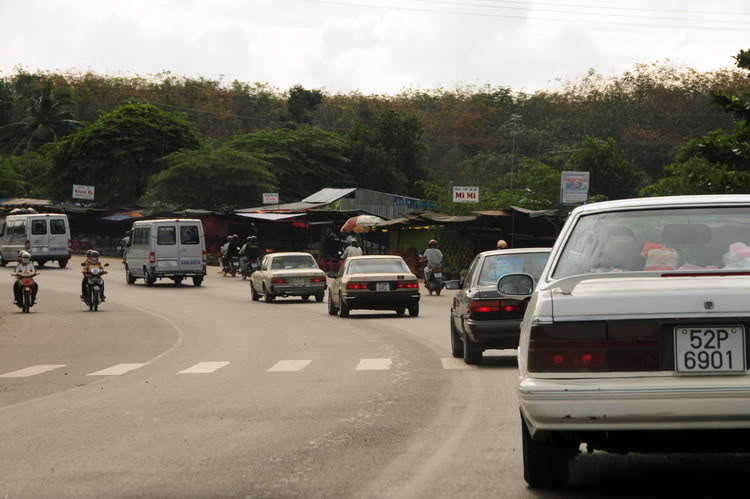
{"points": [[692, 239], [293, 262], [378, 266], [496, 266]]}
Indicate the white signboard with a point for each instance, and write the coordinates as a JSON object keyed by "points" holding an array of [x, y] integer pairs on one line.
{"points": [[83, 192], [270, 198], [574, 187], [465, 194]]}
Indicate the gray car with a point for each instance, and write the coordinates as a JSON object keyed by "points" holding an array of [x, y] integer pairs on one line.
{"points": [[288, 274], [481, 317]]}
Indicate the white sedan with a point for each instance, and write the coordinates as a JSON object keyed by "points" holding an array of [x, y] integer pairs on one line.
{"points": [[288, 274]]}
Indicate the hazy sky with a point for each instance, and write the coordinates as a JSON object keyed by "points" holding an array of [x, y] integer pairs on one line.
{"points": [[376, 46]]}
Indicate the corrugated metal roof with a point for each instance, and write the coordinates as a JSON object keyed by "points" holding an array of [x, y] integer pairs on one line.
{"points": [[271, 216], [328, 195], [25, 202], [301, 206]]}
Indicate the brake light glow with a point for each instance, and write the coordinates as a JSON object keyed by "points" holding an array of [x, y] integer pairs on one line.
{"points": [[205, 256], [357, 285], [279, 280], [70, 243], [27, 245], [317, 279], [408, 284], [152, 257]]}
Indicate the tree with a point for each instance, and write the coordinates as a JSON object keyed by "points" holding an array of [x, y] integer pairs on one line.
{"points": [[611, 174], [11, 184], [220, 179], [302, 102], [119, 152], [304, 158], [46, 117], [32, 170], [699, 176]]}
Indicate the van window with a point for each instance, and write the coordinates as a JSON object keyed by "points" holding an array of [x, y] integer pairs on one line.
{"points": [[140, 236], [166, 236], [189, 234], [21, 228], [38, 227], [57, 226]]}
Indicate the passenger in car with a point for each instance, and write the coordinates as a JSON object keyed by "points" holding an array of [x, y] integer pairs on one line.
{"points": [[620, 252]]}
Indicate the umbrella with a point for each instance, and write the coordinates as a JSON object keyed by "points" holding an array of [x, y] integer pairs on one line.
{"points": [[362, 223]]}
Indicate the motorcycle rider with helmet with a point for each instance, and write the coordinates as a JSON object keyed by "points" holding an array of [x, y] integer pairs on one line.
{"points": [[24, 266], [92, 261], [250, 252], [433, 257]]}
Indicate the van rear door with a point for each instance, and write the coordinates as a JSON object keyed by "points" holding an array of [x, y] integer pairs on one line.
{"points": [[191, 246], [59, 236], [167, 251], [38, 236]]}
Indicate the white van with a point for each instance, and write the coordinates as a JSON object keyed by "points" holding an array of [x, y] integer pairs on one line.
{"points": [[45, 235], [168, 248]]}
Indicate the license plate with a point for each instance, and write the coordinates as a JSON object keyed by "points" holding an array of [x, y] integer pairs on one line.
{"points": [[438, 275], [719, 349], [298, 281], [382, 286]]}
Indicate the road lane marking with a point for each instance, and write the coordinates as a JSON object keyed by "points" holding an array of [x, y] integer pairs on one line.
{"points": [[289, 365], [454, 363], [117, 370], [32, 370], [204, 368], [374, 365]]}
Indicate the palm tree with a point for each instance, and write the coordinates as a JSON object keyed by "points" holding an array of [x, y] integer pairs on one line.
{"points": [[46, 118]]}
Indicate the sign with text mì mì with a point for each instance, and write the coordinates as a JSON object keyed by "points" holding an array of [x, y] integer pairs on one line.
{"points": [[270, 198], [465, 194], [574, 187], [83, 192]]}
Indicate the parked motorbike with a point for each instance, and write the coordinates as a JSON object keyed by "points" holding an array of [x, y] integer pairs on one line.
{"points": [[27, 284], [94, 286], [232, 267], [252, 266], [436, 282]]}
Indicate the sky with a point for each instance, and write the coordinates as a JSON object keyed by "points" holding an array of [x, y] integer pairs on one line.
{"points": [[372, 46]]}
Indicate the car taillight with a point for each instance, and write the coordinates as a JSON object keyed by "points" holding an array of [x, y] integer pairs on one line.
{"points": [[317, 279], [499, 308], [27, 245], [594, 347], [152, 257], [205, 256], [279, 280], [408, 284], [70, 244], [357, 285]]}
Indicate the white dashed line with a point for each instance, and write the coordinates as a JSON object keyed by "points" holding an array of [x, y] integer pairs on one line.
{"points": [[374, 365], [204, 368], [454, 363], [289, 365], [31, 371], [117, 370]]}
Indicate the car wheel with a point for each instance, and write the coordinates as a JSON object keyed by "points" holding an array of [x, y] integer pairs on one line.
{"points": [[3, 263], [332, 310], [197, 281], [400, 311], [457, 345], [253, 294], [150, 281], [129, 279], [545, 465], [320, 297], [343, 309], [414, 310], [268, 297], [472, 353], [437, 291], [62, 263], [177, 281], [305, 297]]}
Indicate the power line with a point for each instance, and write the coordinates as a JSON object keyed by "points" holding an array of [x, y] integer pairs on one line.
{"points": [[631, 9], [527, 18], [532, 8]]}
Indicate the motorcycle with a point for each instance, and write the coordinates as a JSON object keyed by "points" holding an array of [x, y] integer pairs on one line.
{"points": [[252, 266], [94, 285], [436, 282], [233, 267], [27, 284]]}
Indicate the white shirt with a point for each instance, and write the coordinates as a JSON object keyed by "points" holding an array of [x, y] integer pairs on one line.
{"points": [[25, 268], [434, 257], [351, 251]]}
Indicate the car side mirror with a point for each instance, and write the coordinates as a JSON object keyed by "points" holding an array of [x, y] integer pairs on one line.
{"points": [[520, 285], [453, 284], [332, 275], [106, 265], [83, 264]]}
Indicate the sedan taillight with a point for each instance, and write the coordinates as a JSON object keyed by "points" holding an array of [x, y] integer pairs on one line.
{"points": [[480, 309], [317, 279], [408, 285], [279, 280], [357, 285]]}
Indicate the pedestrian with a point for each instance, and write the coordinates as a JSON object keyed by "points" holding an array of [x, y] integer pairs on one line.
{"points": [[352, 250], [501, 244]]}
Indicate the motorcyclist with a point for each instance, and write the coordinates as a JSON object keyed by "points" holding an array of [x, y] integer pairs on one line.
{"points": [[352, 250], [124, 244], [433, 257], [24, 266], [91, 262], [249, 252]]}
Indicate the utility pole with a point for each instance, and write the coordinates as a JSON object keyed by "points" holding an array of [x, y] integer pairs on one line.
{"points": [[514, 118]]}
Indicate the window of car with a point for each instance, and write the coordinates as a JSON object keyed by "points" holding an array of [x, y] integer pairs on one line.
{"points": [[293, 262], [20, 228], [57, 226], [166, 235], [472, 270], [691, 239], [189, 234], [38, 227], [264, 264], [496, 266], [377, 266]]}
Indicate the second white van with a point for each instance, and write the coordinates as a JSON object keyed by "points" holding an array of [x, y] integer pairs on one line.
{"points": [[46, 236], [169, 248]]}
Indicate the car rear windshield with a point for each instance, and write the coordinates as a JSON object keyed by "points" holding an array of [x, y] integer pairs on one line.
{"points": [[496, 266], [378, 266], [293, 262], [166, 236], [38, 227], [691, 239], [57, 226]]}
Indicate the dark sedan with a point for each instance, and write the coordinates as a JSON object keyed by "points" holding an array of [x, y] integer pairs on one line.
{"points": [[481, 317]]}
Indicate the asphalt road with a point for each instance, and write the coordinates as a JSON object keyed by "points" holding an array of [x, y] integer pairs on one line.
{"points": [[279, 400]]}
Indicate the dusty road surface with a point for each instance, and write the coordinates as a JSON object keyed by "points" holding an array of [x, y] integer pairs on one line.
{"points": [[184, 391]]}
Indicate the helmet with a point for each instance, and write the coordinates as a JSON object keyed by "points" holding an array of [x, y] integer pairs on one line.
{"points": [[432, 243], [501, 244], [235, 237], [354, 243], [25, 257], [88, 253], [93, 255], [127, 233], [229, 239]]}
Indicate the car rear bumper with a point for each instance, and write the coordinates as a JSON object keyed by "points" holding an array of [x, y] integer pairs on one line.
{"points": [[494, 333], [638, 403], [177, 273], [291, 290], [372, 300]]}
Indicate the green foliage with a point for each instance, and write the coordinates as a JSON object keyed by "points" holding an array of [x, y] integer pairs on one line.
{"points": [[119, 152], [32, 170], [611, 174], [699, 176], [304, 158], [302, 102], [11, 183], [220, 179]]}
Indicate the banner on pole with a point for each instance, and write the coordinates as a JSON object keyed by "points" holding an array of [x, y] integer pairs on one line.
{"points": [[465, 194], [270, 198], [83, 192], [574, 187]]}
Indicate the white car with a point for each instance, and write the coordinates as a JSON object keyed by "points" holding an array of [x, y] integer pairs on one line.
{"points": [[635, 338]]}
